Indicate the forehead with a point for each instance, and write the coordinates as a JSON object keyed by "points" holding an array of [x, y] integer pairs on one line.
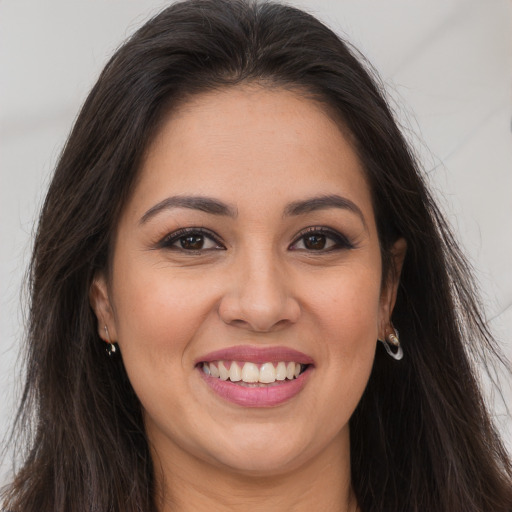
{"points": [[251, 143]]}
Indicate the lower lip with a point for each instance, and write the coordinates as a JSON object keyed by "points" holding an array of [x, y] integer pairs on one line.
{"points": [[269, 396]]}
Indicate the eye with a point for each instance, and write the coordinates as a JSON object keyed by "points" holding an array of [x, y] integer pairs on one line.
{"points": [[191, 240], [320, 239]]}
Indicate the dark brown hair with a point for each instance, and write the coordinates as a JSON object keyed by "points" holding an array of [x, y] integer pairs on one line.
{"points": [[421, 437]]}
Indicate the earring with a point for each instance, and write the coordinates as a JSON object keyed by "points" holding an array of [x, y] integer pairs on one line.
{"points": [[111, 347], [394, 340]]}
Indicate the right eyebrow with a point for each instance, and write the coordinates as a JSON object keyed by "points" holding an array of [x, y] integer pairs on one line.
{"points": [[201, 203]]}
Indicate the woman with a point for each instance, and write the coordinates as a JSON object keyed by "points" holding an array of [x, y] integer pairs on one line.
{"points": [[234, 235]]}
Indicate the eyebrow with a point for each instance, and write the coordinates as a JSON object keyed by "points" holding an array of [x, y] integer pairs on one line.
{"points": [[216, 207], [323, 203], [201, 203]]}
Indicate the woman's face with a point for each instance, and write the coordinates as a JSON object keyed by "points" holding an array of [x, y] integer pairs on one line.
{"points": [[250, 239]]}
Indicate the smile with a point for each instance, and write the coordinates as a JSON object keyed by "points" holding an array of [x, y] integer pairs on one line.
{"points": [[252, 373], [253, 376]]}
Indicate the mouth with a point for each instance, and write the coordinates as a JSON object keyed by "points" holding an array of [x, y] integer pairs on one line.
{"points": [[255, 376], [251, 374]]}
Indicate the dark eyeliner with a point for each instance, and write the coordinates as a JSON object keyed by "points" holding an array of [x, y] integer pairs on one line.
{"points": [[341, 241], [168, 241]]}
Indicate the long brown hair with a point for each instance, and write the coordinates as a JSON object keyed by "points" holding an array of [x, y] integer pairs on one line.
{"points": [[421, 437]]}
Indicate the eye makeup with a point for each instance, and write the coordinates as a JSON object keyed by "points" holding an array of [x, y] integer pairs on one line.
{"points": [[320, 239], [192, 239]]}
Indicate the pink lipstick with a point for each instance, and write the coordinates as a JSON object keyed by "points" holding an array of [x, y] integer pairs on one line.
{"points": [[252, 376]]}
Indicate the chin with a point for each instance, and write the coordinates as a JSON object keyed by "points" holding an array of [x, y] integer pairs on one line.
{"points": [[263, 454]]}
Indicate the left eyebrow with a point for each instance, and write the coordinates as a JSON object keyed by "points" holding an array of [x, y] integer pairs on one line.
{"points": [[323, 203]]}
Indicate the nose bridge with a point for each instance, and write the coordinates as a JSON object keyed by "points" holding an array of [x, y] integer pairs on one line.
{"points": [[259, 296], [262, 287]]}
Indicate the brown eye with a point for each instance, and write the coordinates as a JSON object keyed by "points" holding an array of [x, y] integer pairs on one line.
{"points": [[320, 239], [315, 241], [192, 242]]}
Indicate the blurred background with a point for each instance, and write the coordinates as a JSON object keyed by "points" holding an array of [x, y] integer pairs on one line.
{"points": [[447, 66]]}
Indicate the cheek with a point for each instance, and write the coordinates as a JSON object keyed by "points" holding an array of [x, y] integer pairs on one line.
{"points": [[158, 315], [346, 315], [348, 304], [157, 312]]}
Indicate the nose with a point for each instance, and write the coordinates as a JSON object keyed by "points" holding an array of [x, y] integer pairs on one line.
{"points": [[258, 296]]}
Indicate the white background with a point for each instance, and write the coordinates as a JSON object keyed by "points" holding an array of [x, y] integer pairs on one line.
{"points": [[448, 67]]}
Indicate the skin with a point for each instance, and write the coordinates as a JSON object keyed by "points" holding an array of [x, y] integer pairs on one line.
{"points": [[258, 282]]}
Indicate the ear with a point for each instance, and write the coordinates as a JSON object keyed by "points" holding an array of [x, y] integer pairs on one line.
{"points": [[390, 286], [100, 303]]}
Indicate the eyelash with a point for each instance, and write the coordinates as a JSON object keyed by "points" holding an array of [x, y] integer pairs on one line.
{"points": [[340, 241], [171, 239]]}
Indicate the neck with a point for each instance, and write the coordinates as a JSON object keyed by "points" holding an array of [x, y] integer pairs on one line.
{"points": [[186, 484]]}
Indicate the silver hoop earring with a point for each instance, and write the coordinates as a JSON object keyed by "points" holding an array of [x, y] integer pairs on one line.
{"points": [[111, 347], [392, 339]]}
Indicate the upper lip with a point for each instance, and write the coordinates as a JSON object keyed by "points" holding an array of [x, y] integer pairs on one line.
{"points": [[256, 354]]}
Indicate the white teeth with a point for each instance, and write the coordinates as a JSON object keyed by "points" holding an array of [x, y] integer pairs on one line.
{"points": [[290, 370], [214, 371], [235, 374], [224, 374], [281, 371], [250, 373], [267, 373]]}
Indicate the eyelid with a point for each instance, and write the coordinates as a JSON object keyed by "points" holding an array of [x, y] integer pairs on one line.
{"points": [[168, 240], [341, 240]]}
